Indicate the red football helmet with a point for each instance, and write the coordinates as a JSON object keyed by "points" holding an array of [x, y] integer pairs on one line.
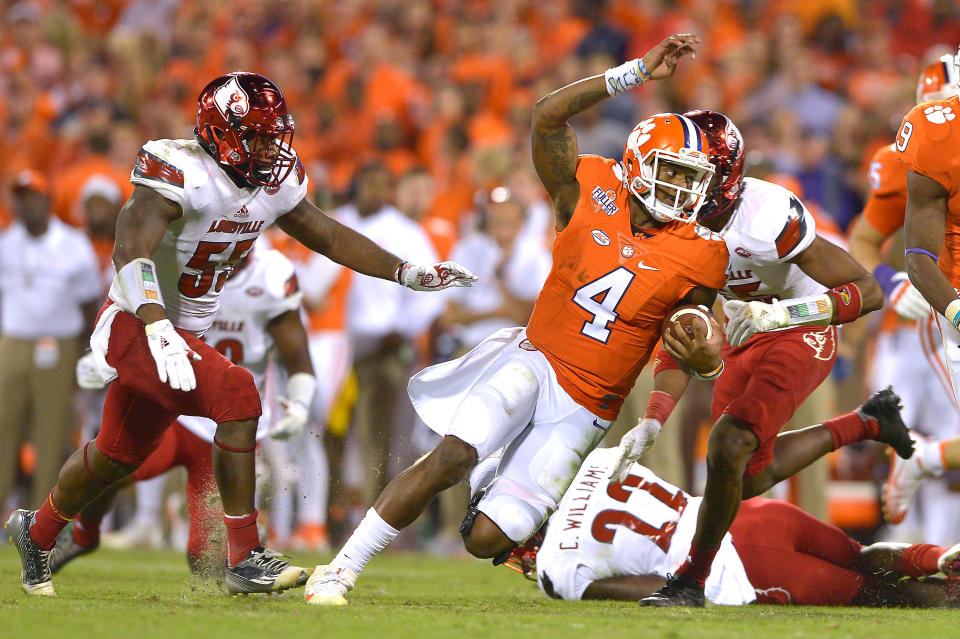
{"points": [[939, 79], [664, 142], [726, 153], [242, 122]]}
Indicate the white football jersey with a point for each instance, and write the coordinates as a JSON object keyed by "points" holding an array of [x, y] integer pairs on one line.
{"points": [[263, 289], [220, 223], [641, 527], [769, 227]]}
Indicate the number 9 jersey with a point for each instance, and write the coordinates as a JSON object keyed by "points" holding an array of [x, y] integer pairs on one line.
{"points": [[219, 225], [598, 316]]}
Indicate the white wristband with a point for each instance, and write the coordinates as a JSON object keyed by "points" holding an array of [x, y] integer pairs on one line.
{"points": [[628, 75], [301, 387], [815, 310], [952, 313], [136, 284]]}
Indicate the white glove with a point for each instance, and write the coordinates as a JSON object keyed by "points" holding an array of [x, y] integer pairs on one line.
{"points": [[906, 300], [746, 318], [294, 418], [172, 356], [436, 276], [633, 445], [88, 376]]}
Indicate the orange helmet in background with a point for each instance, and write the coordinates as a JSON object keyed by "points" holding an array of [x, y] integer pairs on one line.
{"points": [[939, 79], [664, 140]]}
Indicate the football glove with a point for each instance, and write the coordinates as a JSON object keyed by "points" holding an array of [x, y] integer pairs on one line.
{"points": [[88, 376], [294, 418], [633, 445], [906, 299], [172, 355], [744, 319], [435, 277]]}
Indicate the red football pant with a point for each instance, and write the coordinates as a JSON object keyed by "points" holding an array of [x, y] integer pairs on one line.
{"points": [[794, 558], [180, 447], [766, 380], [139, 407]]}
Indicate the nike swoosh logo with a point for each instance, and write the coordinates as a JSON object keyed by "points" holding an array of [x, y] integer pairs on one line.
{"points": [[646, 268], [597, 424]]}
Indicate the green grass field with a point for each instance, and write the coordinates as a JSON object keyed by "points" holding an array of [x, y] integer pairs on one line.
{"points": [[146, 595]]}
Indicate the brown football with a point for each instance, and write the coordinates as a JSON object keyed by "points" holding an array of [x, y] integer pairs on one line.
{"points": [[685, 316]]}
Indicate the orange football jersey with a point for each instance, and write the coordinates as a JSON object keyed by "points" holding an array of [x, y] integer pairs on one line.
{"points": [[598, 316], [887, 200], [928, 143]]}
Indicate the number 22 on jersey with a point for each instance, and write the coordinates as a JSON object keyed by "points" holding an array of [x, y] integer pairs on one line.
{"points": [[602, 528]]}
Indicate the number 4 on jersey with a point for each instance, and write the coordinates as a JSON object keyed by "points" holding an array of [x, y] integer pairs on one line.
{"points": [[610, 289]]}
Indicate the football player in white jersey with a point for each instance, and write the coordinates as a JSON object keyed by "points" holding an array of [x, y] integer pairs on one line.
{"points": [[781, 276], [259, 311], [197, 209], [621, 540]]}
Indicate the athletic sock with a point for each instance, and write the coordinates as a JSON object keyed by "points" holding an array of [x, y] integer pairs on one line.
{"points": [[86, 533], [242, 536], [697, 564], [48, 521], [371, 536], [852, 427], [920, 560]]}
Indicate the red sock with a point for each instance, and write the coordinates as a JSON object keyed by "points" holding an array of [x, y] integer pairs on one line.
{"points": [[852, 427], [920, 560], [697, 565], [242, 536], [48, 522], [86, 533]]}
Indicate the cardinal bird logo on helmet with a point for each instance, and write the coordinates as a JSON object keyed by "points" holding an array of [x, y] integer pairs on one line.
{"points": [[232, 100]]}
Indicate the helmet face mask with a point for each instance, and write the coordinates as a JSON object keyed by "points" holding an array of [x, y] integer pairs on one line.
{"points": [[667, 167], [242, 122]]}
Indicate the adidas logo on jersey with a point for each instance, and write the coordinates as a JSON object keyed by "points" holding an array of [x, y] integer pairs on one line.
{"points": [[939, 114], [605, 200]]}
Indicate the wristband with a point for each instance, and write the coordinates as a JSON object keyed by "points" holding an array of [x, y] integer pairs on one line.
{"points": [[884, 274], [847, 301], [952, 313], [643, 69], [301, 387], [628, 75], [712, 375], [660, 406], [398, 276], [921, 251], [136, 284]]}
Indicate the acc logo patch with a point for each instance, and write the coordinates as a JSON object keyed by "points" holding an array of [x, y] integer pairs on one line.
{"points": [[939, 114], [627, 250], [742, 252], [232, 100], [600, 237]]}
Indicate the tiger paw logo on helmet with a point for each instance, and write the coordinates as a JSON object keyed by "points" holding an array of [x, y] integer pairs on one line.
{"points": [[231, 99], [939, 114]]}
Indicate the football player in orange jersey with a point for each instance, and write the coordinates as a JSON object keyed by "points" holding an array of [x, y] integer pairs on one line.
{"points": [[896, 361], [627, 251]]}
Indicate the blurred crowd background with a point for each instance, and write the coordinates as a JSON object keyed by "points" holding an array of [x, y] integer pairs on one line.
{"points": [[421, 109]]}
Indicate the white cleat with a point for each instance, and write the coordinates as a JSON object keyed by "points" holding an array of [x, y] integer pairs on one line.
{"points": [[949, 562], [328, 586], [904, 479], [137, 535]]}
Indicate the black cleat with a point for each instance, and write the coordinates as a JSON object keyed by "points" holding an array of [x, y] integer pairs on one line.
{"points": [[679, 590], [66, 550], [263, 571], [35, 561], [884, 406]]}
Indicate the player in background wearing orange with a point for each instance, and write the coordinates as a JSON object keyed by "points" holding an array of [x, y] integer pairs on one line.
{"points": [[917, 380], [626, 252], [781, 276]]}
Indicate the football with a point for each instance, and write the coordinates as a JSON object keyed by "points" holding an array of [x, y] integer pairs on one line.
{"points": [[685, 316]]}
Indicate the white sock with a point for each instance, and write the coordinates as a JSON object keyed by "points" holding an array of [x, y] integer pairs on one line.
{"points": [[931, 458], [371, 536]]}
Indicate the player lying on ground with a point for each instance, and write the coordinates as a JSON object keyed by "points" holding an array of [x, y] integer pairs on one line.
{"points": [[626, 253], [782, 275], [613, 540], [259, 313], [197, 208]]}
